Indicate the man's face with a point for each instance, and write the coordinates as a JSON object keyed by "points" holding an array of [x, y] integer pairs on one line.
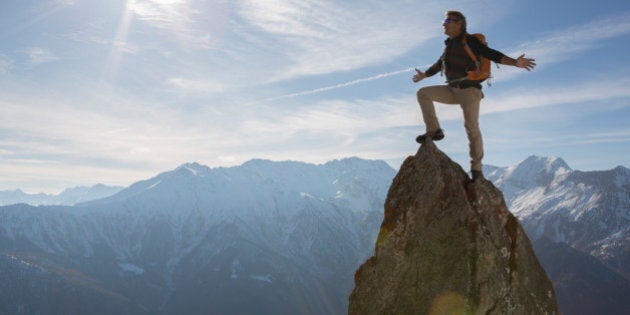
{"points": [[452, 26]]}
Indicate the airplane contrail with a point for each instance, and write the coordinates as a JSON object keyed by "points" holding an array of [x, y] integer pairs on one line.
{"points": [[337, 86]]}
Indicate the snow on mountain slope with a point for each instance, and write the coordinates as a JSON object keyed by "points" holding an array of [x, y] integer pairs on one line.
{"points": [[531, 174], [308, 223], [590, 211], [198, 236]]}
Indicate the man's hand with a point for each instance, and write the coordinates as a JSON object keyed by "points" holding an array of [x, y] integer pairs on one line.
{"points": [[525, 63], [418, 76]]}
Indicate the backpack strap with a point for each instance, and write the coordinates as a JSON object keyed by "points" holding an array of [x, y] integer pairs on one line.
{"points": [[443, 60], [469, 51]]}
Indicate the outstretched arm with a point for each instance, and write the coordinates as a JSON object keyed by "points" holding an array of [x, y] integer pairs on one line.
{"points": [[520, 62], [418, 76], [435, 68], [499, 57]]}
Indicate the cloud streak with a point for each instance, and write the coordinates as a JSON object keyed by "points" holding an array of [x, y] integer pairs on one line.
{"points": [[533, 97], [548, 50], [550, 96], [336, 86], [179, 75], [196, 86], [321, 37], [38, 55], [5, 64], [565, 44]]}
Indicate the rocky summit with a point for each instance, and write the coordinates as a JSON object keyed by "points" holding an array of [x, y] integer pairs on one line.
{"points": [[448, 245]]}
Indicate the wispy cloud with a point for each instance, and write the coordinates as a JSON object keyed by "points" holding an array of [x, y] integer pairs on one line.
{"points": [[164, 13], [67, 2], [556, 95], [552, 48], [566, 43], [269, 41], [569, 43], [168, 15], [329, 121], [192, 23], [43, 10], [196, 86], [38, 55], [322, 37], [111, 131], [401, 111], [91, 33], [587, 139], [178, 76], [5, 64], [533, 97]]}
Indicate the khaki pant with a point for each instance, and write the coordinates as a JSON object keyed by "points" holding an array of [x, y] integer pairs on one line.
{"points": [[468, 99]]}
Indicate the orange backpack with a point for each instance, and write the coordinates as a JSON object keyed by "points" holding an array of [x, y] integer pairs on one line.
{"points": [[482, 71]]}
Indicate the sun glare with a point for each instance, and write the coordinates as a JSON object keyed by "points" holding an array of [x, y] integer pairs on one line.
{"points": [[115, 55]]}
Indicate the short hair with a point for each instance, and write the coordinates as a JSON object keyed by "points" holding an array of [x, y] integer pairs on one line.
{"points": [[458, 16]]}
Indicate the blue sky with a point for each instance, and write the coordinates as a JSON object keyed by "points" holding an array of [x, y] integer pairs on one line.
{"points": [[117, 91]]}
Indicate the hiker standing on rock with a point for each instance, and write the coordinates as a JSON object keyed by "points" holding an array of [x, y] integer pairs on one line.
{"points": [[461, 63]]}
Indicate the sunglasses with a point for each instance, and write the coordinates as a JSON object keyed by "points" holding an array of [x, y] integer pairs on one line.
{"points": [[449, 20]]}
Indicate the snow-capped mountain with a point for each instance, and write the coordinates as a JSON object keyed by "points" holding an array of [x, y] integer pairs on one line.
{"points": [[271, 237], [590, 211], [285, 237], [68, 197]]}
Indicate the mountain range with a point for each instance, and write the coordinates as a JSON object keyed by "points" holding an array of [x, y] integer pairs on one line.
{"points": [[589, 211], [264, 237], [68, 197], [580, 224], [279, 237]]}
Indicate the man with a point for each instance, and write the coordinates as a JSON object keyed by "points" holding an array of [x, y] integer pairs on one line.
{"points": [[455, 64]]}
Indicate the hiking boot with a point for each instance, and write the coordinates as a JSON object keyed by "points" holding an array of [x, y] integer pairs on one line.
{"points": [[477, 175], [435, 135]]}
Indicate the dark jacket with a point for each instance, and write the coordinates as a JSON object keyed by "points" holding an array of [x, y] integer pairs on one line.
{"points": [[457, 63]]}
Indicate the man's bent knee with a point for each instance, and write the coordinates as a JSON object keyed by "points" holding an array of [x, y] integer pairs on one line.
{"points": [[423, 94]]}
